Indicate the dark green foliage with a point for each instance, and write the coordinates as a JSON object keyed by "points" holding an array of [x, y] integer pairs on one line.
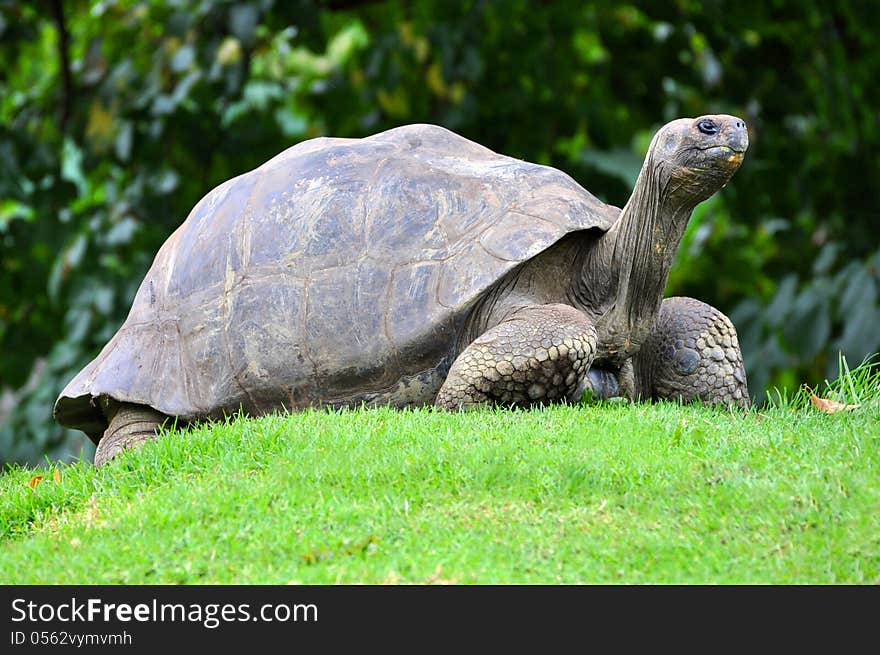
{"points": [[116, 117]]}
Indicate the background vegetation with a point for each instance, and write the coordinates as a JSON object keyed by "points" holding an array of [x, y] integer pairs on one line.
{"points": [[117, 116]]}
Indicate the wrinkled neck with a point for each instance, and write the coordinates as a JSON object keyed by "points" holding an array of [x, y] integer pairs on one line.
{"points": [[623, 276]]}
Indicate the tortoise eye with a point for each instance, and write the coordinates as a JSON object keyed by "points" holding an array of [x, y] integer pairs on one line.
{"points": [[707, 127]]}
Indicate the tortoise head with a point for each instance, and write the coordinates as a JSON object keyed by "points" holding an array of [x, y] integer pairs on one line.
{"points": [[695, 157], [689, 159]]}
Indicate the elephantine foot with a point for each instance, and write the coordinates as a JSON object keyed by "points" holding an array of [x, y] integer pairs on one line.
{"points": [[130, 426], [540, 353], [692, 354]]}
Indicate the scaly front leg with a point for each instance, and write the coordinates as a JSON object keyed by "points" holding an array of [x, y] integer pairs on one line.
{"points": [[538, 354], [692, 354]]}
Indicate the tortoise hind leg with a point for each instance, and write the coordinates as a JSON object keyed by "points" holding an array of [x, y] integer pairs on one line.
{"points": [[538, 354], [692, 354], [130, 426]]}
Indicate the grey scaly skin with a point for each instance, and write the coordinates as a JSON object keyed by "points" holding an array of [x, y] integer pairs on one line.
{"points": [[537, 353], [583, 311], [692, 354], [614, 290], [129, 426]]}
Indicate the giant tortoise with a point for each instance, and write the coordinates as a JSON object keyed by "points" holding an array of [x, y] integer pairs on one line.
{"points": [[416, 267]]}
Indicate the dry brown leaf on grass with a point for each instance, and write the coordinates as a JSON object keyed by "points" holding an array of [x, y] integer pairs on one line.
{"points": [[56, 476], [829, 406], [37, 479]]}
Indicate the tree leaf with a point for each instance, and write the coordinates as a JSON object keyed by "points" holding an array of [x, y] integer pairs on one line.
{"points": [[826, 258], [65, 263], [71, 166], [861, 289], [808, 326], [122, 232], [11, 210], [37, 479], [861, 336], [780, 306], [123, 141], [243, 20], [182, 58], [829, 406], [622, 163]]}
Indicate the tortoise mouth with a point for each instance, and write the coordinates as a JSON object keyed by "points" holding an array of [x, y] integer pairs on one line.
{"points": [[726, 148]]}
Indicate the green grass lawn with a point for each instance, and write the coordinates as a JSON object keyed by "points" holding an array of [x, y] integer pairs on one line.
{"points": [[605, 493]]}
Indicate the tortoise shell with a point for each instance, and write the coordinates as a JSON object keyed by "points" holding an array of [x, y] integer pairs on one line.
{"points": [[338, 272]]}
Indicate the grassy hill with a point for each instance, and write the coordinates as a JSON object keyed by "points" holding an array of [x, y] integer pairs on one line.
{"points": [[605, 493]]}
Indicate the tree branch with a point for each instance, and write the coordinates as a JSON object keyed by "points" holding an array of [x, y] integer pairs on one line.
{"points": [[57, 10], [335, 5]]}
